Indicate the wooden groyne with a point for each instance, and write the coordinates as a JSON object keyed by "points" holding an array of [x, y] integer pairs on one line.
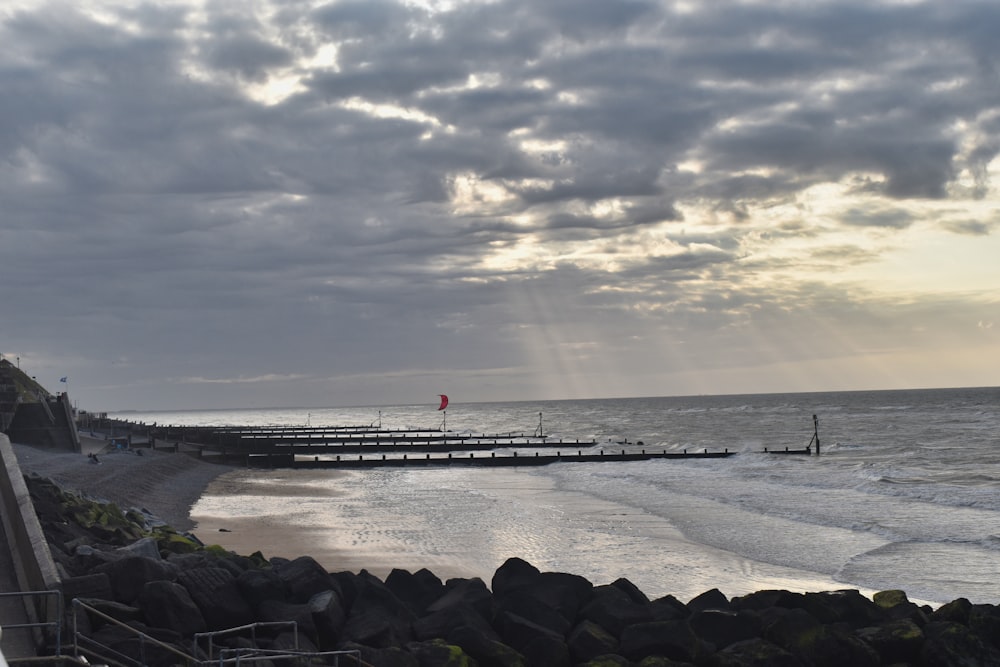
{"points": [[372, 447], [494, 459]]}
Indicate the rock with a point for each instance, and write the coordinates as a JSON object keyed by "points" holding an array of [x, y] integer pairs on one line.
{"points": [[754, 653], [524, 604], [589, 640], [614, 610], [950, 644], [130, 574], [467, 594], [440, 624], [631, 590], [830, 646], [609, 660], [87, 586], [713, 599], [784, 626], [167, 604], [513, 574], [486, 650], [722, 628], [382, 657], [895, 642], [758, 600], [217, 595], [417, 590], [670, 639], [843, 606], [565, 593], [956, 611], [984, 620], [329, 617], [538, 645], [120, 612], [304, 578], [896, 606], [378, 618], [273, 611], [668, 608], [439, 653], [127, 642], [259, 585], [145, 547]]}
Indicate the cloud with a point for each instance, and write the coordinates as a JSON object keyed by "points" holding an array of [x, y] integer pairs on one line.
{"points": [[345, 191]]}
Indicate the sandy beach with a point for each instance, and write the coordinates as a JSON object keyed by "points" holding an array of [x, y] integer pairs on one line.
{"points": [[164, 483]]}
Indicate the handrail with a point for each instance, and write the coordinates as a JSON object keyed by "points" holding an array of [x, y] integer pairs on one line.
{"points": [[56, 624], [226, 656]]}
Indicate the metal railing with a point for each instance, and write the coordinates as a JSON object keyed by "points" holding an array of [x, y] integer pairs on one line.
{"points": [[227, 656], [55, 625]]}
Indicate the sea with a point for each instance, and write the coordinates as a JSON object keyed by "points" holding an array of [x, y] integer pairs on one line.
{"points": [[904, 494]]}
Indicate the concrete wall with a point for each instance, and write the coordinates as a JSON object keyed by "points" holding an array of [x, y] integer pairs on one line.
{"points": [[34, 569]]}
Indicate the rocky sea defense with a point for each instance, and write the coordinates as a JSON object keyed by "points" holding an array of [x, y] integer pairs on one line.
{"points": [[168, 585]]}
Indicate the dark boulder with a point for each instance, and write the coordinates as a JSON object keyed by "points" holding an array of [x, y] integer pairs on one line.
{"points": [[668, 608], [843, 606], [954, 645], [167, 604], [87, 586], [764, 599], [565, 593], [468, 594], [393, 656], [722, 628], [128, 643], [784, 626], [754, 653], [130, 574], [485, 648], [713, 599], [215, 591], [329, 617], [896, 606], [524, 604], [588, 640], [259, 585], [276, 611], [378, 618], [614, 610], [439, 653], [515, 573], [631, 590], [417, 590], [895, 641], [539, 645], [831, 646], [303, 578], [956, 611], [984, 620], [671, 639], [440, 623]]}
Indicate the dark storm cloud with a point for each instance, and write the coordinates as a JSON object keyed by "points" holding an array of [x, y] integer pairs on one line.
{"points": [[418, 185]]}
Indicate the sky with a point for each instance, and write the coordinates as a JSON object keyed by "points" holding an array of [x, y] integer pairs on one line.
{"points": [[371, 202]]}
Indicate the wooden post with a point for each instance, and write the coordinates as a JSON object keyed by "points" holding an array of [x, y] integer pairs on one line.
{"points": [[816, 432]]}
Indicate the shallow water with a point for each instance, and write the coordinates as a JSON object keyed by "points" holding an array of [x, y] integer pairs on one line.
{"points": [[904, 495]]}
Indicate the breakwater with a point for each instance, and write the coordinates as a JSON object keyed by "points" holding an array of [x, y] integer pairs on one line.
{"points": [[342, 447]]}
